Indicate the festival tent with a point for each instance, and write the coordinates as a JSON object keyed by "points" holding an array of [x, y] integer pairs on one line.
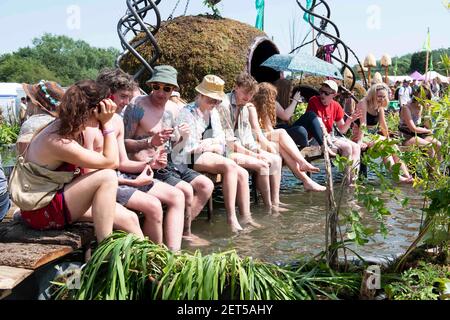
{"points": [[430, 75], [393, 79], [416, 75], [10, 94]]}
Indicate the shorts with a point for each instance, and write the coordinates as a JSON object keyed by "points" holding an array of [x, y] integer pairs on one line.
{"points": [[5, 204], [55, 215], [124, 192], [174, 173]]}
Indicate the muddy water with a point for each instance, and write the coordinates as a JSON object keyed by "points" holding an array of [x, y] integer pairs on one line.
{"points": [[301, 230]]}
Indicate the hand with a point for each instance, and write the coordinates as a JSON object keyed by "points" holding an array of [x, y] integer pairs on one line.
{"points": [[159, 160], [145, 178], [105, 111], [297, 96], [356, 115], [161, 137], [184, 130]]}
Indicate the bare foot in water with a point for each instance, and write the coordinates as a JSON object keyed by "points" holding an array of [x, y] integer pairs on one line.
{"points": [[234, 224], [249, 220], [285, 205], [313, 186], [308, 167], [196, 241], [406, 180], [278, 208]]}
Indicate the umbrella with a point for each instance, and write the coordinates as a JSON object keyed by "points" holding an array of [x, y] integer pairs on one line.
{"points": [[302, 63]]}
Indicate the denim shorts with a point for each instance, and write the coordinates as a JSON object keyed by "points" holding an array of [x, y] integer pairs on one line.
{"points": [[174, 173], [5, 204]]}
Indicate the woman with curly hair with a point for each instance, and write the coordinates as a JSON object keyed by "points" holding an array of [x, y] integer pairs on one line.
{"points": [[263, 120], [57, 149]]}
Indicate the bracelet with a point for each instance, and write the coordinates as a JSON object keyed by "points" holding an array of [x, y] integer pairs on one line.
{"points": [[149, 143], [108, 131]]}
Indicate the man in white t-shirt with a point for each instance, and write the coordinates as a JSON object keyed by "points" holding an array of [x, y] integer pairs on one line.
{"points": [[405, 93]]}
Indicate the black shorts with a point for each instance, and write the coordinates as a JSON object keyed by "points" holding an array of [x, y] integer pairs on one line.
{"points": [[174, 173]]}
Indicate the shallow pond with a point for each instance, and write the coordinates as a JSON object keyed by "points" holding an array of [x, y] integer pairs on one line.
{"points": [[301, 230]]}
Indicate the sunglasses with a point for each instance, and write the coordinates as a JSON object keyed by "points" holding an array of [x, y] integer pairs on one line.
{"points": [[157, 87], [325, 92]]}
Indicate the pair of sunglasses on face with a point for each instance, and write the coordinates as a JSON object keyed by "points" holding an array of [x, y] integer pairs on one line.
{"points": [[156, 87], [325, 92]]}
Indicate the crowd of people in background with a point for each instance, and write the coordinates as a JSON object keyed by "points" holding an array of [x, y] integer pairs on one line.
{"points": [[121, 152]]}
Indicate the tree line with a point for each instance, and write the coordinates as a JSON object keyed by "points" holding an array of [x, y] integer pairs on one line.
{"points": [[57, 58]]}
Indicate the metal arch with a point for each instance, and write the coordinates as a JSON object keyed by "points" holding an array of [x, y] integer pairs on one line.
{"points": [[133, 21], [336, 41]]}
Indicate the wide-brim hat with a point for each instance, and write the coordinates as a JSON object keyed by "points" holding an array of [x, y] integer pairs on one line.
{"points": [[212, 86], [46, 95], [164, 74]]}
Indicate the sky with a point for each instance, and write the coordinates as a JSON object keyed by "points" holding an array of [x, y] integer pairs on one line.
{"points": [[395, 27]]}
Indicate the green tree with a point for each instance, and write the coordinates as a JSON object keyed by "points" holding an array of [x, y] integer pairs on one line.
{"points": [[29, 70], [66, 59], [418, 62]]}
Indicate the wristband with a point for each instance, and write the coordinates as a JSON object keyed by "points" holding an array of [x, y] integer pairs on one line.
{"points": [[107, 131], [149, 143]]}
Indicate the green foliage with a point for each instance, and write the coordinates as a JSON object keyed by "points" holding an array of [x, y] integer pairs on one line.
{"points": [[9, 133], [299, 111], [427, 282], [125, 267], [445, 63], [57, 58], [212, 4]]}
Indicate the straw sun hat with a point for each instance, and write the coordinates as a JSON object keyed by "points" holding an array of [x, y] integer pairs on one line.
{"points": [[212, 86], [45, 95]]}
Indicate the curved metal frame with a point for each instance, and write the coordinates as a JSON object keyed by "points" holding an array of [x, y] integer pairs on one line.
{"points": [[133, 21], [324, 21]]}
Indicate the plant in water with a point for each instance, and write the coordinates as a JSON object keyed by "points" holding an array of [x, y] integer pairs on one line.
{"points": [[126, 267], [9, 133], [427, 282]]}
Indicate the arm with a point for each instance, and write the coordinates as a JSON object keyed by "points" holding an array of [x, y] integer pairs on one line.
{"points": [[407, 118], [286, 114], [383, 125], [133, 115], [260, 137], [343, 126], [125, 164]]}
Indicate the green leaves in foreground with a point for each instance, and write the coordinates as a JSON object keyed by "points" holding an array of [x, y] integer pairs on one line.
{"points": [[125, 267]]}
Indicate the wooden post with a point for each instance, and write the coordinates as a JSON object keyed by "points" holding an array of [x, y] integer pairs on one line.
{"points": [[331, 217], [386, 72], [370, 76]]}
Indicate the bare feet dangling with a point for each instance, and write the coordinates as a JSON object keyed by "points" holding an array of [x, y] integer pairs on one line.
{"points": [[196, 241], [308, 167], [247, 219], [313, 186], [234, 224]]}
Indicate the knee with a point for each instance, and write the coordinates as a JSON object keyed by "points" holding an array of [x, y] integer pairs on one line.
{"points": [[107, 176], [153, 210], [204, 186], [131, 219], [187, 190], [242, 174], [177, 196]]}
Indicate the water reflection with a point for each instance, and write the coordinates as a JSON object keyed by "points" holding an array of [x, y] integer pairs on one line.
{"points": [[300, 231]]}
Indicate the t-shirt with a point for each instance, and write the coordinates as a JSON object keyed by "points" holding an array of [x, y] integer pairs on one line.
{"points": [[329, 114]]}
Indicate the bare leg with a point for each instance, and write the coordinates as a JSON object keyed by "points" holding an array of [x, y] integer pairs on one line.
{"points": [[308, 183], [216, 164], [275, 179], [288, 146], [97, 189], [262, 176], [151, 207], [174, 218], [188, 191]]}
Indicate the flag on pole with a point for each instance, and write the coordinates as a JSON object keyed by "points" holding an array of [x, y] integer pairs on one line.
{"points": [[259, 4], [306, 16], [427, 43]]}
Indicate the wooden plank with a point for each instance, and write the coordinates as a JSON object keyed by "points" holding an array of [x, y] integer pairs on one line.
{"points": [[4, 293], [76, 235], [215, 178], [11, 277], [30, 255]]}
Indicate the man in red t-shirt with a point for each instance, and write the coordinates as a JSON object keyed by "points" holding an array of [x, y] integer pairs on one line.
{"points": [[330, 112]]}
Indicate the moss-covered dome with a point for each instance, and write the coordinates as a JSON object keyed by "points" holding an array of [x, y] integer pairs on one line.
{"points": [[200, 45]]}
